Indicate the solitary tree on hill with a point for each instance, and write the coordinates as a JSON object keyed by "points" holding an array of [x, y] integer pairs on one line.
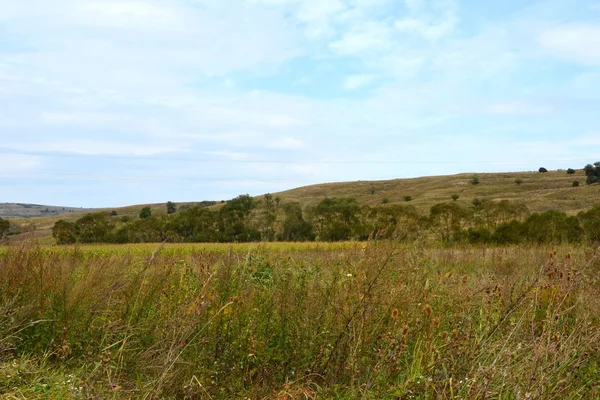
{"points": [[542, 170]]}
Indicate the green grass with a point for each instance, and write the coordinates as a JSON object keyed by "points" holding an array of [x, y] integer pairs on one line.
{"points": [[290, 321]]}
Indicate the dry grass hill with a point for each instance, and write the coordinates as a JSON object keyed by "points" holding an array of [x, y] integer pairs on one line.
{"points": [[539, 191]]}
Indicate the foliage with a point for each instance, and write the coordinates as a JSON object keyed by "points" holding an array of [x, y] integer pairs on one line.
{"points": [[408, 198], [171, 207], [475, 180], [455, 197], [64, 232], [592, 173], [570, 171], [575, 183], [374, 321], [518, 181], [146, 212], [542, 170]]}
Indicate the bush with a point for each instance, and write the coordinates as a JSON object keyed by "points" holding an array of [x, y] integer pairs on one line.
{"points": [[455, 197], [592, 172], [385, 200], [475, 180], [518, 181], [570, 171], [146, 212], [542, 170], [575, 183], [408, 198]]}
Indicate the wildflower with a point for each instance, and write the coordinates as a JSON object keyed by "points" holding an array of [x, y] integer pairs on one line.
{"points": [[454, 333], [395, 313], [405, 331], [349, 275]]}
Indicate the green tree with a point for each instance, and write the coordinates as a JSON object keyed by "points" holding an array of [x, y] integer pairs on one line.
{"points": [[336, 219], [295, 228], [269, 218], [592, 172], [234, 220], [171, 207], [570, 171], [475, 180], [146, 212], [197, 224], [447, 220], [94, 228], [64, 232]]}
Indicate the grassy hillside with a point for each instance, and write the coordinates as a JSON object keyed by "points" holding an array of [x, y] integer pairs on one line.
{"points": [[539, 191]]}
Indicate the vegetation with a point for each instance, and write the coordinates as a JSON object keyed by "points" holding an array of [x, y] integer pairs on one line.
{"points": [[592, 172], [245, 219], [570, 171], [542, 170], [375, 321]]}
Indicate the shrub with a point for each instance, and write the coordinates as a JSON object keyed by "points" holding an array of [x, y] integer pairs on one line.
{"points": [[408, 198], [575, 183], [518, 181], [542, 170], [475, 180], [455, 197], [570, 171]]}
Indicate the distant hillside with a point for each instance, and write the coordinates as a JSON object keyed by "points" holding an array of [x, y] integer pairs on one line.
{"points": [[539, 191], [19, 210]]}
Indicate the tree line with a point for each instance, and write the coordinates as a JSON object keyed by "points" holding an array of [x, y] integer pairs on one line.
{"points": [[246, 219]]}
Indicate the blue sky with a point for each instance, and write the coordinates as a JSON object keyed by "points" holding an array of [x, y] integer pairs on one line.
{"points": [[116, 102]]}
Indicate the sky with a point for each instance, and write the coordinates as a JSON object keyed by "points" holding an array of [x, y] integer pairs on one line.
{"points": [[107, 103]]}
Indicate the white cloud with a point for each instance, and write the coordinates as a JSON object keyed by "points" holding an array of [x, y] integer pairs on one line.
{"points": [[579, 43], [354, 82], [370, 37]]}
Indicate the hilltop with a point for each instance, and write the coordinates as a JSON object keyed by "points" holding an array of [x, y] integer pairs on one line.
{"points": [[539, 191]]}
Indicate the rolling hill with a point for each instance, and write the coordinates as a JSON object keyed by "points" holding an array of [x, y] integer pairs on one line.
{"points": [[539, 191]]}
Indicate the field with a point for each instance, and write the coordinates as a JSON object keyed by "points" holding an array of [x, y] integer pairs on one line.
{"points": [[373, 320]]}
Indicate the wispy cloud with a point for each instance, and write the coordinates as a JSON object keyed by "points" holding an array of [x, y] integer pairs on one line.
{"points": [[287, 79]]}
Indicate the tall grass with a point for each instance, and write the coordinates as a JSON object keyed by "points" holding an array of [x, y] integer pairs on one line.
{"points": [[378, 321]]}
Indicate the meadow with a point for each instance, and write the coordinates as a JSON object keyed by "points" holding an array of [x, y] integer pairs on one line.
{"points": [[373, 320]]}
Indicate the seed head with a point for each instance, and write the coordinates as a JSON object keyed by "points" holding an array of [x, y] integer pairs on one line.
{"points": [[428, 310], [395, 313]]}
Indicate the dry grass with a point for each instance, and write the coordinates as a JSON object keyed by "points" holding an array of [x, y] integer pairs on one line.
{"points": [[371, 322], [540, 192]]}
